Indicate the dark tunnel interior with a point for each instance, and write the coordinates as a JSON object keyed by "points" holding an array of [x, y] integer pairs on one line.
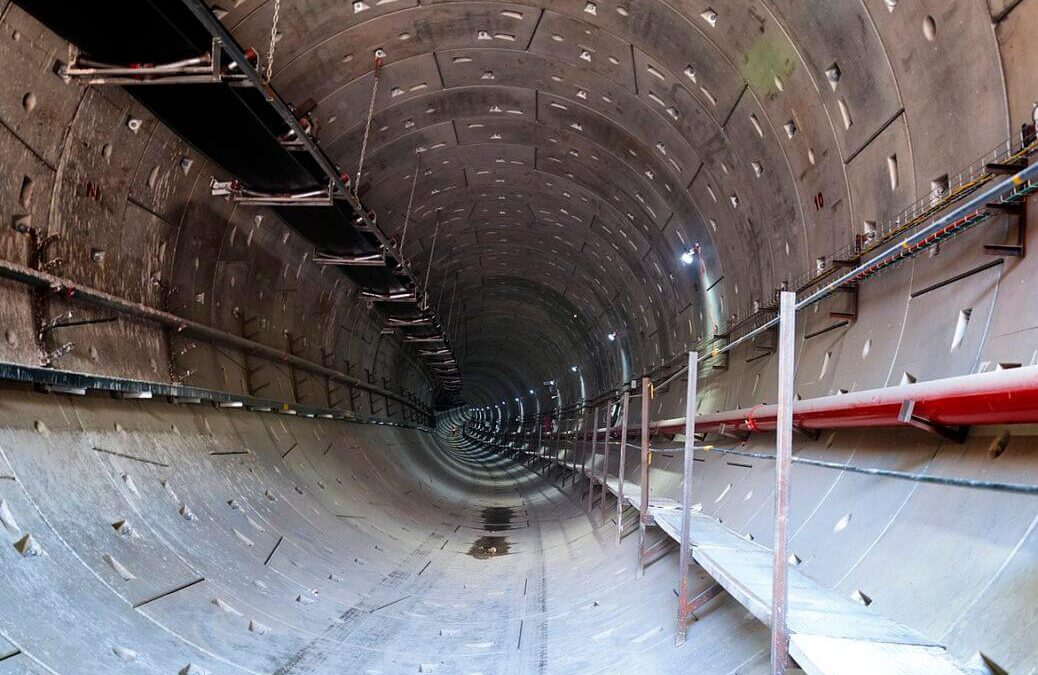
{"points": [[348, 336]]}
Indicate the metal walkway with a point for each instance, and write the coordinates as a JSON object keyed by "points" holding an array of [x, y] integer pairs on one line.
{"points": [[829, 634]]}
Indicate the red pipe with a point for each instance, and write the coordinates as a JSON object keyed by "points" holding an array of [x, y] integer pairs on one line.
{"points": [[998, 397]]}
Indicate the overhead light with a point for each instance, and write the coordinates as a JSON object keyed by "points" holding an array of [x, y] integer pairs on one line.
{"points": [[531, 391], [573, 368], [689, 255], [612, 337]]}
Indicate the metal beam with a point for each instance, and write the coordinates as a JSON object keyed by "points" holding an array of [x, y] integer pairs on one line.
{"points": [[583, 465], [783, 470], [366, 260], [643, 509], [76, 292], [688, 463], [68, 382], [605, 462], [620, 470]]}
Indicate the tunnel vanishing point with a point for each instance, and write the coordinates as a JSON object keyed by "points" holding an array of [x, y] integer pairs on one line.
{"points": [[549, 336]]}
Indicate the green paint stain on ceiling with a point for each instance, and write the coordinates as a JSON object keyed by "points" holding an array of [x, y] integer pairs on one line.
{"points": [[767, 65]]}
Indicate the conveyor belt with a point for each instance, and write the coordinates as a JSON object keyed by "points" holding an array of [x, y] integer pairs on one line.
{"points": [[236, 127], [233, 126]]}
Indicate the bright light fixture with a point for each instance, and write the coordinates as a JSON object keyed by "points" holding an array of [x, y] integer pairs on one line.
{"points": [[612, 337], [573, 368], [688, 256]]}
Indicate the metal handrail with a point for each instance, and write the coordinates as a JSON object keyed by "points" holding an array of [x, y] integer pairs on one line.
{"points": [[966, 181], [890, 254]]}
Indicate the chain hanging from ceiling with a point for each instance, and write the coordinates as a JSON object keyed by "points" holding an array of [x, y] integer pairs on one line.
{"points": [[273, 39], [379, 58], [410, 199], [428, 268]]}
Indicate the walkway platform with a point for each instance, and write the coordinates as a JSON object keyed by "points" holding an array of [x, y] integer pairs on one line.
{"points": [[829, 634], [632, 491]]}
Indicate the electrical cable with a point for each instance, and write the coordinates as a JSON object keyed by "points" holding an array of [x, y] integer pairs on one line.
{"points": [[997, 486]]}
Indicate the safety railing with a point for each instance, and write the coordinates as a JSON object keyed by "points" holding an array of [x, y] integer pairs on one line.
{"points": [[1008, 157]]}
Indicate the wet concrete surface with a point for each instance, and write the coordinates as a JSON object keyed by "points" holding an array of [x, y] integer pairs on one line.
{"points": [[485, 548], [495, 519], [501, 518]]}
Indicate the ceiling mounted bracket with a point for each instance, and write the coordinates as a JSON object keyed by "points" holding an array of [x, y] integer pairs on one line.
{"points": [[363, 260], [234, 191], [206, 68], [392, 296]]}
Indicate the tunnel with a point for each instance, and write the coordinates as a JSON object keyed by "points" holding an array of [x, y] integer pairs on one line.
{"points": [[553, 336]]}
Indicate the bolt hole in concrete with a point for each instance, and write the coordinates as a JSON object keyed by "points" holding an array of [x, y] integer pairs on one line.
{"points": [[998, 445], [930, 28]]}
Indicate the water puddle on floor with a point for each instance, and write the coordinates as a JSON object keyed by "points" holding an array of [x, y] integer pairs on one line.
{"points": [[498, 518], [485, 548], [495, 519]]}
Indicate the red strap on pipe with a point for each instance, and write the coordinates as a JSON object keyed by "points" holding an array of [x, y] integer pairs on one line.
{"points": [[750, 424]]}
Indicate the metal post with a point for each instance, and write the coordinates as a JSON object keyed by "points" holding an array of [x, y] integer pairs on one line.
{"points": [[591, 471], [605, 461], [567, 455], [643, 512], [583, 443], [580, 423], [684, 609], [543, 452], [558, 430], [620, 470], [558, 439], [783, 468], [558, 447], [540, 431], [540, 447]]}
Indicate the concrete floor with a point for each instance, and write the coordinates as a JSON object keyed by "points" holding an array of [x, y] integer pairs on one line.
{"points": [[163, 536]]}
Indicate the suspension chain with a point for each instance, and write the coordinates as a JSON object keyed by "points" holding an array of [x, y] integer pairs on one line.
{"points": [[428, 267], [410, 200], [273, 39], [379, 57]]}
